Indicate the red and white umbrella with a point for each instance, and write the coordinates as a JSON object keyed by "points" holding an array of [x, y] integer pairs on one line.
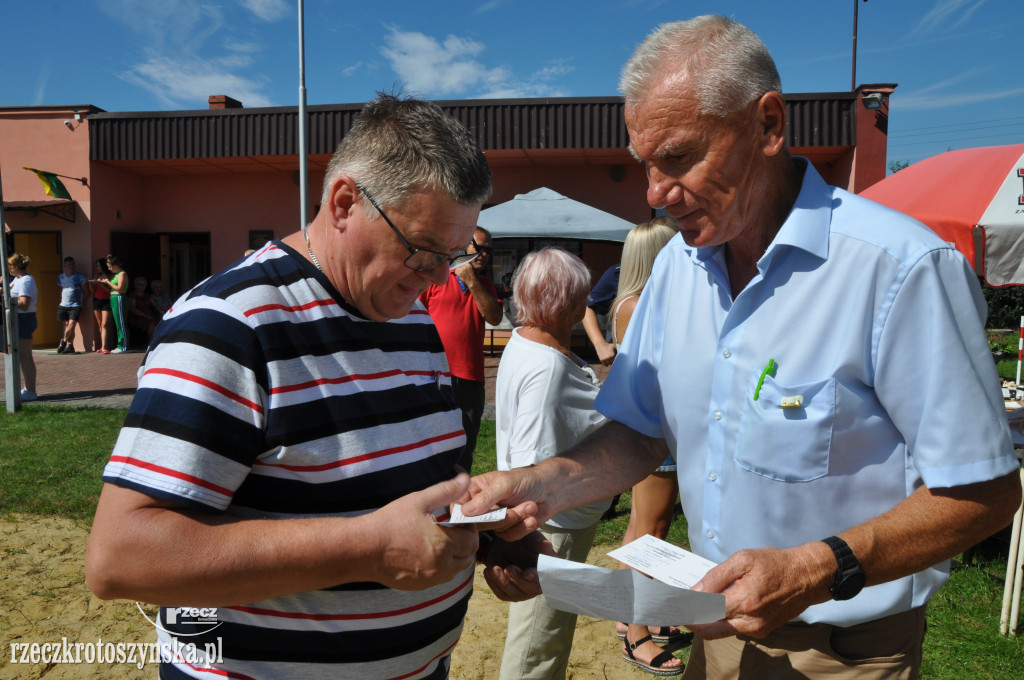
{"points": [[973, 198]]}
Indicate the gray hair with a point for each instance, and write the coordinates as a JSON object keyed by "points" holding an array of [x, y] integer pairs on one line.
{"points": [[547, 284], [726, 64], [398, 146]]}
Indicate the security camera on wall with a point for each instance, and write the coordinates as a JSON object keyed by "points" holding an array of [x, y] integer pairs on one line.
{"points": [[69, 125]]}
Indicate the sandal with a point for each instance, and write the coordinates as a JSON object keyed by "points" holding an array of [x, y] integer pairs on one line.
{"points": [[654, 667], [665, 635]]}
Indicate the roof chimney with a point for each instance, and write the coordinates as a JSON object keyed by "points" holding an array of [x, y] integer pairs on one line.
{"points": [[222, 101]]}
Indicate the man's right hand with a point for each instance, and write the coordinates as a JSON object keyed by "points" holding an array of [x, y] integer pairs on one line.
{"points": [[416, 553], [518, 490]]}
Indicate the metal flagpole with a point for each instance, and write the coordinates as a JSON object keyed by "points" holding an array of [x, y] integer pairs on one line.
{"points": [[12, 369], [303, 160], [853, 72]]}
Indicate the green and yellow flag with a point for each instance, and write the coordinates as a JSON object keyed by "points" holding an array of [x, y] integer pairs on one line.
{"points": [[54, 187]]}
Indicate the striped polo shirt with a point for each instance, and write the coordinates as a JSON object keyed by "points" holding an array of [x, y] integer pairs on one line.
{"points": [[264, 394]]}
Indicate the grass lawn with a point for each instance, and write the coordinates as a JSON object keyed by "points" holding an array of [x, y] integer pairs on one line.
{"points": [[52, 459]]}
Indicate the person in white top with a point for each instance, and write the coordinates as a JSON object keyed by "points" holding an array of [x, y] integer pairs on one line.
{"points": [[544, 403], [23, 297]]}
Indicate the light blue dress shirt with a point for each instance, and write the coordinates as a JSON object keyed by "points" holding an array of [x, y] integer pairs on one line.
{"points": [[875, 323]]}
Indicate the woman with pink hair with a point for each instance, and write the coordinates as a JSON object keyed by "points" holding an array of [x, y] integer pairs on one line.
{"points": [[544, 403]]}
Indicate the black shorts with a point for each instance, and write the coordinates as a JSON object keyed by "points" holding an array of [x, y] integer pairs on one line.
{"points": [[27, 324], [100, 304], [68, 313]]}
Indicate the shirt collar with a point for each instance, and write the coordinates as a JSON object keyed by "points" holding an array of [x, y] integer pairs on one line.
{"points": [[806, 227], [808, 224]]}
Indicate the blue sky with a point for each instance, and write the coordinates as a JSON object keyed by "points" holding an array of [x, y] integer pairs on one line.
{"points": [[957, 62]]}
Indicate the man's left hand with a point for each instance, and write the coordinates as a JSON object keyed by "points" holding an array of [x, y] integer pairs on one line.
{"points": [[511, 567], [765, 588]]}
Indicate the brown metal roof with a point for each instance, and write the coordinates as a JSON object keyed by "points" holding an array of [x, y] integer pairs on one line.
{"points": [[265, 135]]}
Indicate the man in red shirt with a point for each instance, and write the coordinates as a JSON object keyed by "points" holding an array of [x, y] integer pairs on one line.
{"points": [[459, 309]]}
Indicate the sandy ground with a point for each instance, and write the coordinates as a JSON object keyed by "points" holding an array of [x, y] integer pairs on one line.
{"points": [[43, 599]]}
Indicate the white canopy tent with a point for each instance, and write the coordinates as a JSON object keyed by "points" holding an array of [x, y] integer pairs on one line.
{"points": [[544, 213]]}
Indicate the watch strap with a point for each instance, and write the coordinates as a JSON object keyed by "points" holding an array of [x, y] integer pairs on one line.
{"points": [[846, 566]]}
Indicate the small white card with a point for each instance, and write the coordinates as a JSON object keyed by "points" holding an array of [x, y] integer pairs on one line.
{"points": [[662, 560], [458, 518]]}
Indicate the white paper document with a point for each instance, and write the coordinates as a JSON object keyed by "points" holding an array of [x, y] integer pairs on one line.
{"points": [[624, 594], [662, 560], [458, 518]]}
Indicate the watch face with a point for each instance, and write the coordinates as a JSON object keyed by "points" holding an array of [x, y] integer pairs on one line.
{"points": [[849, 585]]}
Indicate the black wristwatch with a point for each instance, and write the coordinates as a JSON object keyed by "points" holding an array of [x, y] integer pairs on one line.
{"points": [[849, 576]]}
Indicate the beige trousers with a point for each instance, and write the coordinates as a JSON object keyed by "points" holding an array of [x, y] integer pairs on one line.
{"points": [[539, 638], [885, 649]]}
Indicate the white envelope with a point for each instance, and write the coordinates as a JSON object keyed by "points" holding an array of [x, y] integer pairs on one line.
{"points": [[625, 594]]}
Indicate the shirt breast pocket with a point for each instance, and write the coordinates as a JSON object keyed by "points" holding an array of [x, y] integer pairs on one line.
{"points": [[787, 443]]}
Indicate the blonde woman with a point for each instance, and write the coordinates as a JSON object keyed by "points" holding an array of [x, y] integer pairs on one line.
{"points": [[654, 498], [23, 296]]}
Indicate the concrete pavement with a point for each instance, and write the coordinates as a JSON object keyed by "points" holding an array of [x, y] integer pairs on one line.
{"points": [[82, 379], [109, 380]]}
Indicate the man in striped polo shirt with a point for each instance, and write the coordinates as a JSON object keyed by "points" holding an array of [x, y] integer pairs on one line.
{"points": [[293, 438]]}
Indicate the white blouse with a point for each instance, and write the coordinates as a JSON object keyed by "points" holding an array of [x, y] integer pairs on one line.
{"points": [[544, 403]]}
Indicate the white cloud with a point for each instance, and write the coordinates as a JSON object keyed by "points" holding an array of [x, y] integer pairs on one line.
{"points": [[927, 100], [429, 67], [44, 78], [242, 47], [491, 5], [180, 64], [353, 69], [172, 26], [181, 83], [950, 92], [267, 10], [945, 16]]}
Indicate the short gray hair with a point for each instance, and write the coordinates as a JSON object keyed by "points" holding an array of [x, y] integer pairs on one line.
{"points": [[400, 145], [547, 284], [726, 64]]}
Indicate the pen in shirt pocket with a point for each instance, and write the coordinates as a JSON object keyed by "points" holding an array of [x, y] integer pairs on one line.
{"points": [[769, 369]]}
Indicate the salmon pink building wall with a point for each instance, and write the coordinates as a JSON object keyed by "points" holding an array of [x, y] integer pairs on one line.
{"points": [[38, 137], [225, 206]]}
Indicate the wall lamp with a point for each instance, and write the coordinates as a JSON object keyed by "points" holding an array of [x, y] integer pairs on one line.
{"points": [[873, 101], [78, 120]]}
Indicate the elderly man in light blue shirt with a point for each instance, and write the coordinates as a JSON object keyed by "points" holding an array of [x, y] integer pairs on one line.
{"points": [[819, 368], [881, 381]]}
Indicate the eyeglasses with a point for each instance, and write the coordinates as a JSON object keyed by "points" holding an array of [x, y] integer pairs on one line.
{"points": [[483, 250], [422, 259]]}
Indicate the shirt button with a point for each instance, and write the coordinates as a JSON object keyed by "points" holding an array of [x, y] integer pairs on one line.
{"points": [[726, 353], [718, 415], [713, 476], [710, 533]]}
